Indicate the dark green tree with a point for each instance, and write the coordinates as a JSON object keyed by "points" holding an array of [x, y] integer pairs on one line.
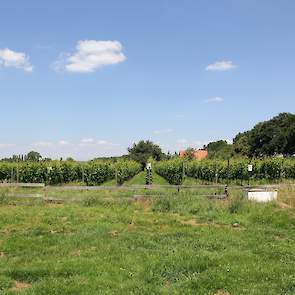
{"points": [[33, 156], [143, 150], [273, 137], [241, 144], [219, 149]]}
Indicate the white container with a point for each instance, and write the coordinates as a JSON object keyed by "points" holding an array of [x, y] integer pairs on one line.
{"points": [[262, 196]]}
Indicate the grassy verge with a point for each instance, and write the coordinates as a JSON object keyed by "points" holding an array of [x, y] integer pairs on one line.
{"points": [[104, 242], [140, 179]]}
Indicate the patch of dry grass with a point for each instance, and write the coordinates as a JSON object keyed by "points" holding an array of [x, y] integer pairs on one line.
{"points": [[287, 194]]}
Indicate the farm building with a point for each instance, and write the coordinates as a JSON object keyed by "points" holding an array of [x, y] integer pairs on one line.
{"points": [[199, 154]]}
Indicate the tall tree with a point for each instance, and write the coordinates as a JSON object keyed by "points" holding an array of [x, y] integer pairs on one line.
{"points": [[273, 137], [143, 150], [33, 156], [219, 149], [241, 144], [269, 138]]}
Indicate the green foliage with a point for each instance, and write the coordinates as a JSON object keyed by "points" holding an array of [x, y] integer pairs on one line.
{"points": [[171, 170], [174, 170], [33, 156], [276, 136], [219, 149], [97, 172], [31, 172], [143, 150], [126, 170], [211, 170], [59, 172], [241, 145]]}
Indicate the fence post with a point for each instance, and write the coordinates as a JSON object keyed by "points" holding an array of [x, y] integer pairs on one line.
{"points": [[149, 176], [17, 174], [82, 174], [226, 191], [11, 175], [183, 172]]}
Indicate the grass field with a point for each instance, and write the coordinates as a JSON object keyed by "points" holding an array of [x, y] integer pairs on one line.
{"points": [[162, 242], [141, 179]]}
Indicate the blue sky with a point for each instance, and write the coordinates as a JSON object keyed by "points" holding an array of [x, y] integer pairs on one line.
{"points": [[88, 78]]}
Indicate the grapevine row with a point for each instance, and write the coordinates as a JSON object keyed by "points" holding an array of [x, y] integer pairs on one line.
{"points": [[174, 171], [59, 172]]}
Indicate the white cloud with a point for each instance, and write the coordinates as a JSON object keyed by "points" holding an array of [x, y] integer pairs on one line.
{"points": [[221, 66], [100, 142], [6, 145], [214, 99], [42, 143], [19, 60], [91, 55], [163, 131], [63, 142], [87, 140]]}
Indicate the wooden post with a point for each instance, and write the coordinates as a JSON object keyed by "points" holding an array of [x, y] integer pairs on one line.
{"points": [[82, 174], [227, 176], [183, 172], [17, 174]]}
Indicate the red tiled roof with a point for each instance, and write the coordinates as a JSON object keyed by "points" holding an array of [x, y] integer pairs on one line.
{"points": [[199, 154]]}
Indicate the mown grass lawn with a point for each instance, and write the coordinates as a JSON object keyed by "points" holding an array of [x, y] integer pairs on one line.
{"points": [[107, 243]]}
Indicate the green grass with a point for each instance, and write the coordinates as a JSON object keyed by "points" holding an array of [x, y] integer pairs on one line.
{"points": [[140, 179], [137, 179], [102, 242], [191, 181], [111, 182]]}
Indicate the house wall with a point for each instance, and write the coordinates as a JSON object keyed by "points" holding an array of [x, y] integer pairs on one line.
{"points": [[199, 154]]}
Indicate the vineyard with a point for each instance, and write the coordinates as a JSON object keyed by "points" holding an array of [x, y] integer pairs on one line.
{"points": [[59, 172], [174, 171]]}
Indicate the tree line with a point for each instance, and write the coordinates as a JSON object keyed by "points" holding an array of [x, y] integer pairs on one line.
{"points": [[269, 138], [275, 137]]}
